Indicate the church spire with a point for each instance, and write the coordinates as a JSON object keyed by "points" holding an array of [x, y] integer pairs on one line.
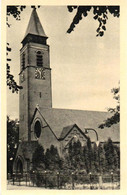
{"points": [[34, 28]]}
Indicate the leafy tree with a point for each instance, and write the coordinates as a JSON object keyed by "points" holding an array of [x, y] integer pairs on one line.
{"points": [[11, 83], [90, 153], [52, 159], [101, 155], [12, 142], [38, 158], [70, 154], [95, 157], [115, 118], [14, 11], [111, 156], [75, 153], [100, 13], [66, 162], [117, 149], [86, 159], [116, 160], [47, 159]]}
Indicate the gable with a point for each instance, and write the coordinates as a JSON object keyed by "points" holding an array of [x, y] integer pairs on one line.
{"points": [[69, 130], [45, 128], [73, 134]]}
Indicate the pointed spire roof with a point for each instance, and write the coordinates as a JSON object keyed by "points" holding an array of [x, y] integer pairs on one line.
{"points": [[34, 27]]}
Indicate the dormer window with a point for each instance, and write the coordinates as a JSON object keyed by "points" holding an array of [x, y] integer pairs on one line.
{"points": [[39, 59], [23, 61]]}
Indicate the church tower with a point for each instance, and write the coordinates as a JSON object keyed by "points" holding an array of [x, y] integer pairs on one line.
{"points": [[35, 74]]}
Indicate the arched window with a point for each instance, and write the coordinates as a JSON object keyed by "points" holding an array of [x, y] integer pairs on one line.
{"points": [[23, 61], [39, 59], [37, 129]]}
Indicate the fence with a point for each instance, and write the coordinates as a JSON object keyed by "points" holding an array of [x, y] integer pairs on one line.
{"points": [[66, 180]]}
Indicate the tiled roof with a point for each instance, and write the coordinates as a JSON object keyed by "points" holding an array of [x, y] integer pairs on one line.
{"points": [[60, 118], [66, 130], [34, 26]]}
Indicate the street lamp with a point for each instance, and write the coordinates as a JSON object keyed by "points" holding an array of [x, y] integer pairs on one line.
{"points": [[90, 180], [45, 180], [91, 129], [26, 177], [13, 178], [58, 182], [33, 177], [97, 143], [72, 174], [112, 179]]}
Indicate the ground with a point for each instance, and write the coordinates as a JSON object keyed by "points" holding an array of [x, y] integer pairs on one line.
{"points": [[22, 186]]}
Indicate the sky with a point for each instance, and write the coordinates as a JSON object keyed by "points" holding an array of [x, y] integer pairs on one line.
{"points": [[84, 67]]}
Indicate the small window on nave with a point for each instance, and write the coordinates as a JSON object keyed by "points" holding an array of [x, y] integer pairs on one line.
{"points": [[39, 59]]}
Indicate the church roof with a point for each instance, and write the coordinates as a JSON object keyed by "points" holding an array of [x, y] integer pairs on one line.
{"points": [[34, 27], [60, 118], [66, 130]]}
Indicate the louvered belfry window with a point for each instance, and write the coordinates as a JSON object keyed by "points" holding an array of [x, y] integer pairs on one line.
{"points": [[39, 59], [23, 61]]}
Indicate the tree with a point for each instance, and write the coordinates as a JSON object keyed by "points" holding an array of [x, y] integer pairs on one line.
{"points": [[111, 156], [117, 149], [90, 153], [115, 118], [15, 11], [100, 13], [52, 159], [86, 159], [12, 142], [11, 83], [75, 153], [95, 157], [38, 158], [101, 155]]}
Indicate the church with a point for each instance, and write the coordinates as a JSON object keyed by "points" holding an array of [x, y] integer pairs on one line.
{"points": [[39, 122]]}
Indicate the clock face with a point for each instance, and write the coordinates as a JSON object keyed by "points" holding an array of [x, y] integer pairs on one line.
{"points": [[22, 77], [39, 73]]}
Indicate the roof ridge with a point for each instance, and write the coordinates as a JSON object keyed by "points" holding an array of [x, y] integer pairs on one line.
{"points": [[71, 109]]}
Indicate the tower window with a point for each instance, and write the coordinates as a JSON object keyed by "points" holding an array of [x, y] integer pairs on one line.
{"points": [[23, 61], [39, 59], [40, 94]]}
